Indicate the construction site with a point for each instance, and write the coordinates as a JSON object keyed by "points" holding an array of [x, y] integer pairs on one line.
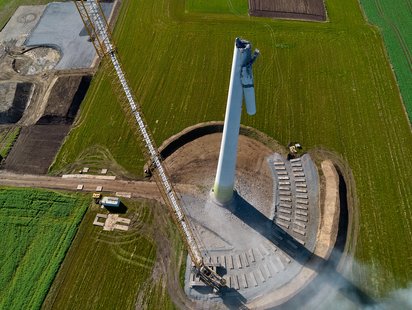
{"points": [[261, 222], [46, 69], [257, 248]]}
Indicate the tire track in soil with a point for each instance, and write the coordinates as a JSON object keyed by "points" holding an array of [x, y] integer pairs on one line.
{"points": [[409, 4]]}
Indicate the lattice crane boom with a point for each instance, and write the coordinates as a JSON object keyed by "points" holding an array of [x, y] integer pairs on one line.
{"points": [[98, 29]]}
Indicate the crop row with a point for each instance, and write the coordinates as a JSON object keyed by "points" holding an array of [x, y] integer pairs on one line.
{"points": [[33, 245]]}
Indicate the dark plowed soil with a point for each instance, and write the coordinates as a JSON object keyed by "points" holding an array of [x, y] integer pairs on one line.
{"points": [[36, 148], [64, 100], [15, 112], [295, 9]]}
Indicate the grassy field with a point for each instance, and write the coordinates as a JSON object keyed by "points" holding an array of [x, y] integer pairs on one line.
{"points": [[112, 270], [325, 85], [37, 228], [237, 7], [394, 19], [7, 137]]}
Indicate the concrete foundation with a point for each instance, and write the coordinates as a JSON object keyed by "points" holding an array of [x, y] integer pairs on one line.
{"points": [[249, 243]]}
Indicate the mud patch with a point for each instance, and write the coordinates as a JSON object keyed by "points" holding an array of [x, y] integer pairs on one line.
{"points": [[64, 101], [14, 98], [36, 148]]}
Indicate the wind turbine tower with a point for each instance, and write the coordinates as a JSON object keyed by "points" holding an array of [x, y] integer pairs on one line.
{"points": [[240, 87]]}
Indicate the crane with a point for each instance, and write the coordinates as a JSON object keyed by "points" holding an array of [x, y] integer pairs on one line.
{"points": [[97, 26]]}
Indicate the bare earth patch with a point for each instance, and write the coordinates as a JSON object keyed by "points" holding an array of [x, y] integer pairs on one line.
{"points": [[294, 9]]}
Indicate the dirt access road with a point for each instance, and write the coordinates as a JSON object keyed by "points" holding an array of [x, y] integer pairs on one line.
{"points": [[138, 189]]}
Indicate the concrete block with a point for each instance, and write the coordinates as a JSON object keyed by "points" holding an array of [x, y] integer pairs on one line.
{"points": [[245, 259], [302, 219], [300, 232], [284, 218], [223, 261], [260, 276], [285, 193], [304, 213], [284, 183], [285, 199], [285, 211], [284, 188], [236, 282], [229, 261], [252, 278], [299, 224], [279, 263], [239, 262], [244, 281], [252, 256], [282, 224], [273, 267], [266, 271]]}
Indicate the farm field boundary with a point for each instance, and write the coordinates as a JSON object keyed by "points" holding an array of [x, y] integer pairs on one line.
{"points": [[395, 23]]}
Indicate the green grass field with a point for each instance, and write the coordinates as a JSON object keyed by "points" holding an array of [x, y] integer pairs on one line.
{"points": [[112, 270], [394, 19], [325, 85], [37, 228], [7, 137], [237, 7]]}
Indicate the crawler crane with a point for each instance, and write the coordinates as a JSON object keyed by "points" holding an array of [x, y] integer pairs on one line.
{"points": [[96, 24]]}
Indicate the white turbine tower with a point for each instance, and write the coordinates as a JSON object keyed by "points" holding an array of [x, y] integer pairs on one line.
{"points": [[241, 86]]}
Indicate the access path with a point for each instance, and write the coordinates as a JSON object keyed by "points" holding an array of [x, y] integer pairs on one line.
{"points": [[138, 189]]}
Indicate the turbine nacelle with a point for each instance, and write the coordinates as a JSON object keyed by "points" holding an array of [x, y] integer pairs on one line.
{"points": [[246, 74]]}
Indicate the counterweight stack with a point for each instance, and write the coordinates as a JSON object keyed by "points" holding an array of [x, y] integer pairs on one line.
{"points": [[97, 27]]}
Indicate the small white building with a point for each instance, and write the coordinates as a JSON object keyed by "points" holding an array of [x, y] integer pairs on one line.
{"points": [[110, 201]]}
